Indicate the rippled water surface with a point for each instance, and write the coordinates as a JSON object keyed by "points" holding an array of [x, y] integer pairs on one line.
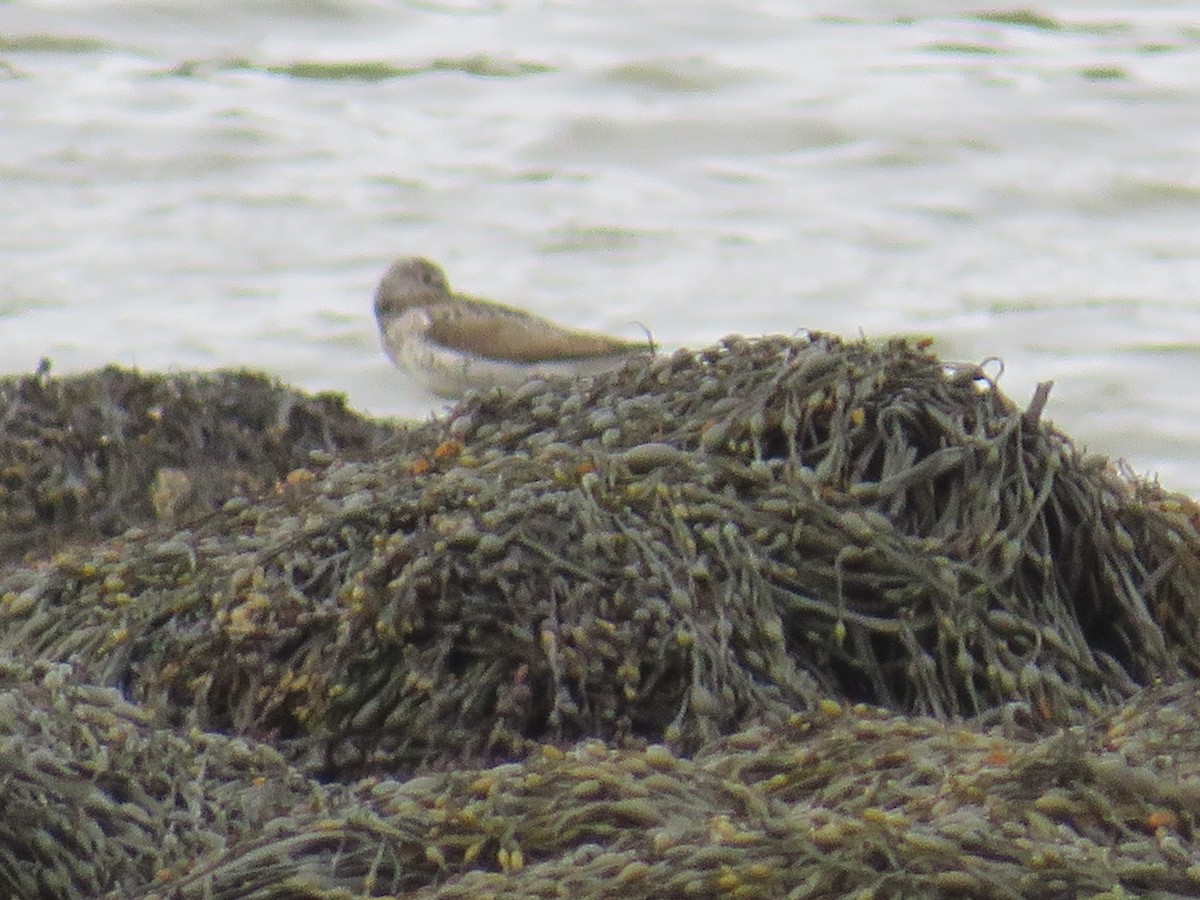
{"points": [[202, 185]]}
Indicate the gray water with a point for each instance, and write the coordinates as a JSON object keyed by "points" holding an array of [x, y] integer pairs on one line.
{"points": [[201, 185]]}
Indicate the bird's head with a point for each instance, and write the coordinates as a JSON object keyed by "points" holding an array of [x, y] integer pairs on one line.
{"points": [[409, 281]]}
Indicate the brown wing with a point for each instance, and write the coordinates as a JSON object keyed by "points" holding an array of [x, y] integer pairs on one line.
{"points": [[512, 335]]}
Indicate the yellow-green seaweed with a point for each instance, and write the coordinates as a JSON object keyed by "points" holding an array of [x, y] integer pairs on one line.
{"points": [[781, 617]]}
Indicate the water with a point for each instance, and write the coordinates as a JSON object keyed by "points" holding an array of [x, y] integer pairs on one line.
{"points": [[187, 185]]}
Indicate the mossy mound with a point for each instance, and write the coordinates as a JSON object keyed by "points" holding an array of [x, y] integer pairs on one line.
{"points": [[87, 456], [671, 553]]}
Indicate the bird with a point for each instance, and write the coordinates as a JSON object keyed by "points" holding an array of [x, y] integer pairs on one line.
{"points": [[453, 343]]}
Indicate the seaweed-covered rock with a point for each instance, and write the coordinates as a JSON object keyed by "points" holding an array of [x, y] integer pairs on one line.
{"points": [[841, 801], [87, 456], [98, 799], [671, 552]]}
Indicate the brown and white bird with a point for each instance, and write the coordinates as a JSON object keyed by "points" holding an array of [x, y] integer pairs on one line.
{"points": [[452, 343]]}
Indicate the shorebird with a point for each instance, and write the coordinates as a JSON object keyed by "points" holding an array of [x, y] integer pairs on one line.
{"points": [[452, 343]]}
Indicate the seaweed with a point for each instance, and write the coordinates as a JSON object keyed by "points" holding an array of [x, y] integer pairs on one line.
{"points": [[778, 617], [98, 801], [89, 456]]}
